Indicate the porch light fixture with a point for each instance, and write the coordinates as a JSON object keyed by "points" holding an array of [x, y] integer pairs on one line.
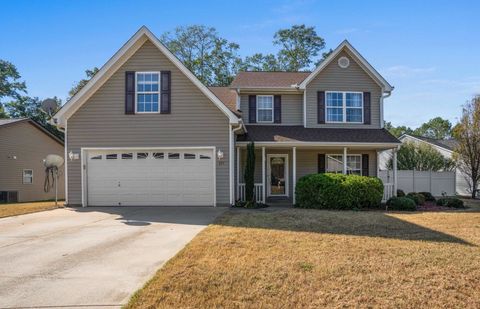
{"points": [[220, 155], [73, 156]]}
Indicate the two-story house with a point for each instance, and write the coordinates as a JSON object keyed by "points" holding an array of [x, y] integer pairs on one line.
{"points": [[146, 131]]}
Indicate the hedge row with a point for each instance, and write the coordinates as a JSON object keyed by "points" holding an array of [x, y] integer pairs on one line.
{"points": [[338, 191]]}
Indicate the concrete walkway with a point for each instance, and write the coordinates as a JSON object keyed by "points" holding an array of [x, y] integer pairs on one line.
{"points": [[91, 257]]}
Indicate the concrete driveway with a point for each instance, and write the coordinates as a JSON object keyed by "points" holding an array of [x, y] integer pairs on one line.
{"points": [[92, 257]]}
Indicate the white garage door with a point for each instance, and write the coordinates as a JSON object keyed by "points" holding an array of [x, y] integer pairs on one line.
{"points": [[170, 177]]}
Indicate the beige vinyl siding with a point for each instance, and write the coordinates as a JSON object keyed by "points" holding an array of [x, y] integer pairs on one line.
{"points": [[30, 146], [334, 78], [292, 109], [194, 121]]}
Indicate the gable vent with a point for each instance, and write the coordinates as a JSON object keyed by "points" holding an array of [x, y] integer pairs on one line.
{"points": [[343, 62]]}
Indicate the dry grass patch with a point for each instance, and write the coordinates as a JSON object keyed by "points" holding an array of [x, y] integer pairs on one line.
{"points": [[15, 209], [296, 258]]}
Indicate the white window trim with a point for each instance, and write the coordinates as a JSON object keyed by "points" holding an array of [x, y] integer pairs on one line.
{"points": [[341, 155], [344, 107], [273, 106], [148, 92], [23, 176]]}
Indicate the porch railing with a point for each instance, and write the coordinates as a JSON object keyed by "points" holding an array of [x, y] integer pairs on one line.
{"points": [[258, 191], [387, 191]]}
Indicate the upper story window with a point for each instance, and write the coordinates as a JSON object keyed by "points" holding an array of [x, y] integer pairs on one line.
{"points": [[148, 92], [344, 107], [264, 108]]}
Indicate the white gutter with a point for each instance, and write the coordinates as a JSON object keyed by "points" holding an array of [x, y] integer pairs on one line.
{"points": [[382, 97]]}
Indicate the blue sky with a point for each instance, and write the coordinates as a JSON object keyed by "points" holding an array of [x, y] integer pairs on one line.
{"points": [[427, 49]]}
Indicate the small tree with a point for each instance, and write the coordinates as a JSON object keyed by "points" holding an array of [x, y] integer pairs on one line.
{"points": [[250, 174], [467, 153], [421, 157]]}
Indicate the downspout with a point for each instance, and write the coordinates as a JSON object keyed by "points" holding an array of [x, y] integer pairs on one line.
{"points": [[233, 132], [384, 96]]}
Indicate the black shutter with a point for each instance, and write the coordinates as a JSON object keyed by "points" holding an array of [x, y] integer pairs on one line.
{"points": [[367, 108], [277, 109], [321, 163], [321, 107], [129, 92], [166, 92], [252, 108], [365, 164]]}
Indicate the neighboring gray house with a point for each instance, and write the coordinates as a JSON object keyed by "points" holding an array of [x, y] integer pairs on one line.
{"points": [[445, 147], [23, 146], [146, 131]]}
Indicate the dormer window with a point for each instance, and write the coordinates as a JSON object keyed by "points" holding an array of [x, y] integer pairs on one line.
{"points": [[265, 108], [346, 107], [148, 92]]}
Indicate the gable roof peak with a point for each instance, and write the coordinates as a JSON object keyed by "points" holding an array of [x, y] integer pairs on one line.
{"points": [[369, 69], [117, 60]]}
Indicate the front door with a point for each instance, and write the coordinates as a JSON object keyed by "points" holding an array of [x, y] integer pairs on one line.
{"points": [[277, 175]]}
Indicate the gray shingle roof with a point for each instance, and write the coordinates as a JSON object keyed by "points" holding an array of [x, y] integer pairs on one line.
{"points": [[260, 133], [268, 79], [449, 144]]}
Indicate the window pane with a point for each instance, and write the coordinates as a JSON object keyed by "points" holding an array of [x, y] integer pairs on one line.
{"points": [[204, 157], [154, 87], [173, 155], [265, 102], [140, 107], [335, 99], [155, 98], [335, 164], [354, 100], [111, 156], [140, 87], [155, 107], [99, 157], [158, 155], [127, 156], [335, 114], [142, 155], [155, 77], [354, 115], [265, 115], [140, 78], [189, 156]]}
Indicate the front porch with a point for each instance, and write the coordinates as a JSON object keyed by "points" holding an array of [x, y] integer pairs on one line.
{"points": [[278, 168]]}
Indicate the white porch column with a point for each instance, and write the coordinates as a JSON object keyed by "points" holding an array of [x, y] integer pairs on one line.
{"points": [[378, 163], [395, 172], [264, 186], [294, 172], [238, 173], [345, 160]]}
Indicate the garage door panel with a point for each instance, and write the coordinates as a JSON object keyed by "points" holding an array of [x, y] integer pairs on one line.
{"points": [[150, 177]]}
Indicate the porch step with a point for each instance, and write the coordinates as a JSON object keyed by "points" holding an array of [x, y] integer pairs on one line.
{"points": [[279, 202]]}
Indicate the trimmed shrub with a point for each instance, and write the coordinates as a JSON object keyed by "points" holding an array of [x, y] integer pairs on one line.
{"points": [[401, 203], [418, 198], [428, 196], [400, 193], [338, 191], [450, 202]]}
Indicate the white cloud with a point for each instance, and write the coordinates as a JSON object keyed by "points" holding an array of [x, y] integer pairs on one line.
{"points": [[406, 71]]}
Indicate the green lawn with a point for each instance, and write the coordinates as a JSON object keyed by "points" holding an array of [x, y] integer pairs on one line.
{"points": [[296, 258]]}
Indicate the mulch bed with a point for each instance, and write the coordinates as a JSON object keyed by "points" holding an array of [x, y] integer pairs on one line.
{"points": [[431, 206]]}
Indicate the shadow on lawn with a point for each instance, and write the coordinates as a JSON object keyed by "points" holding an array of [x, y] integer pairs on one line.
{"points": [[365, 223]]}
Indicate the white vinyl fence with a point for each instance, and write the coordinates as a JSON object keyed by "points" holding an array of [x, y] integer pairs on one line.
{"points": [[420, 181]]}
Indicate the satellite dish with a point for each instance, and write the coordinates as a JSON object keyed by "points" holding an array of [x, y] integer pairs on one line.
{"points": [[49, 106], [53, 160]]}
